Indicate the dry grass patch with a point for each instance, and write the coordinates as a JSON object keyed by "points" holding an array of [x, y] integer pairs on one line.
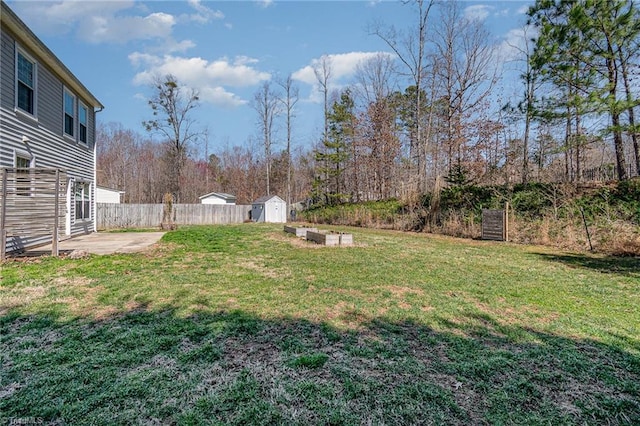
{"points": [[464, 333]]}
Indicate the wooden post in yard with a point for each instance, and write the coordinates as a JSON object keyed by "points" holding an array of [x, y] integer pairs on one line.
{"points": [[3, 214], [54, 237], [506, 221]]}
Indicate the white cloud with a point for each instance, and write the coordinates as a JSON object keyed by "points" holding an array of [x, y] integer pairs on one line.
{"points": [[204, 14], [64, 16], [514, 43], [108, 21], [101, 29], [217, 95], [209, 78], [264, 3], [342, 65], [172, 46], [477, 12]]}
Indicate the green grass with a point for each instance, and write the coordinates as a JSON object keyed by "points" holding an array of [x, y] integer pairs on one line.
{"points": [[247, 325]]}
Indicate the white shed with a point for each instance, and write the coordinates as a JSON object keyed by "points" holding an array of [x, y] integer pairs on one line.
{"points": [[218, 198], [270, 208], [108, 195]]}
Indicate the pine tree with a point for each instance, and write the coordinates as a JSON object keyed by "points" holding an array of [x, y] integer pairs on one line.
{"points": [[331, 158]]}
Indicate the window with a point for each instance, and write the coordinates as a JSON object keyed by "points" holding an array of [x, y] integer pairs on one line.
{"points": [[23, 178], [82, 198], [83, 113], [69, 112], [26, 79]]}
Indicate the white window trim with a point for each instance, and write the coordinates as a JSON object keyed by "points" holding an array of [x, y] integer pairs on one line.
{"points": [[86, 125], [18, 153], [34, 116], [73, 197], [23, 154], [73, 137]]}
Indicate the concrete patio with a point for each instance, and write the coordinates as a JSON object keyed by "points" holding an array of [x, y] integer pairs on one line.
{"points": [[102, 243]]}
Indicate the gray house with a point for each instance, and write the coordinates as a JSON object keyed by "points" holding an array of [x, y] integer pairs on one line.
{"points": [[270, 208], [47, 129]]}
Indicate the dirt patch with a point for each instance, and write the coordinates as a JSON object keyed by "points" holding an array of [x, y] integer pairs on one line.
{"points": [[21, 297], [294, 241], [401, 292], [513, 316], [7, 391], [265, 271], [349, 292]]}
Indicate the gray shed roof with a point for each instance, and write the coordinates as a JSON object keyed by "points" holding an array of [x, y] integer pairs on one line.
{"points": [[266, 198]]}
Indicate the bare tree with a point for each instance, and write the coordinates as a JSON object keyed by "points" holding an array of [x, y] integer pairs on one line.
{"points": [[526, 106], [411, 49], [379, 137], [172, 105], [466, 74], [266, 104], [289, 101], [322, 71], [116, 157], [375, 77]]}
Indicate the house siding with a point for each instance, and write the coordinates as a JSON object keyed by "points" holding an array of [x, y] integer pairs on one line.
{"points": [[47, 144], [49, 101], [7, 60]]}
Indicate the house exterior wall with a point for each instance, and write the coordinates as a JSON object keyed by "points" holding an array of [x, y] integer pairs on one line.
{"points": [[105, 195], [218, 198], [213, 200], [47, 146]]}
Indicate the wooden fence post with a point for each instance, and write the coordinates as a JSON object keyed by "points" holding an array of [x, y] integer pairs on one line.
{"points": [[3, 214], [54, 236], [506, 221]]}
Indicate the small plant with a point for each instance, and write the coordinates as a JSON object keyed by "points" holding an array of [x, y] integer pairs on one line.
{"points": [[313, 361]]}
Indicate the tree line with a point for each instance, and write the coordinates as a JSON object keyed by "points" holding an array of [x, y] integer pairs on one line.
{"points": [[432, 113]]}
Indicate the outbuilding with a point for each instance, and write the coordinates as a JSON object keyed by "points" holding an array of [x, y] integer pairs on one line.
{"points": [[270, 208], [218, 198], [108, 195]]}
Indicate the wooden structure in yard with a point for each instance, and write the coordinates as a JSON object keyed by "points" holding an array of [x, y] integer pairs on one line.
{"points": [[495, 224], [32, 208]]}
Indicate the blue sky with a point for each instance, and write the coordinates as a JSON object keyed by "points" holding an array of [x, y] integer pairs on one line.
{"points": [[226, 50]]}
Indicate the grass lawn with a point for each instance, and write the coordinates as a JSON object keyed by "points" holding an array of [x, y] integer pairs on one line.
{"points": [[248, 325]]}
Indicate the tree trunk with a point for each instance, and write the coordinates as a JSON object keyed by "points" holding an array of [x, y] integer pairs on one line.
{"points": [[621, 165], [567, 147], [632, 121], [525, 148], [578, 145]]}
